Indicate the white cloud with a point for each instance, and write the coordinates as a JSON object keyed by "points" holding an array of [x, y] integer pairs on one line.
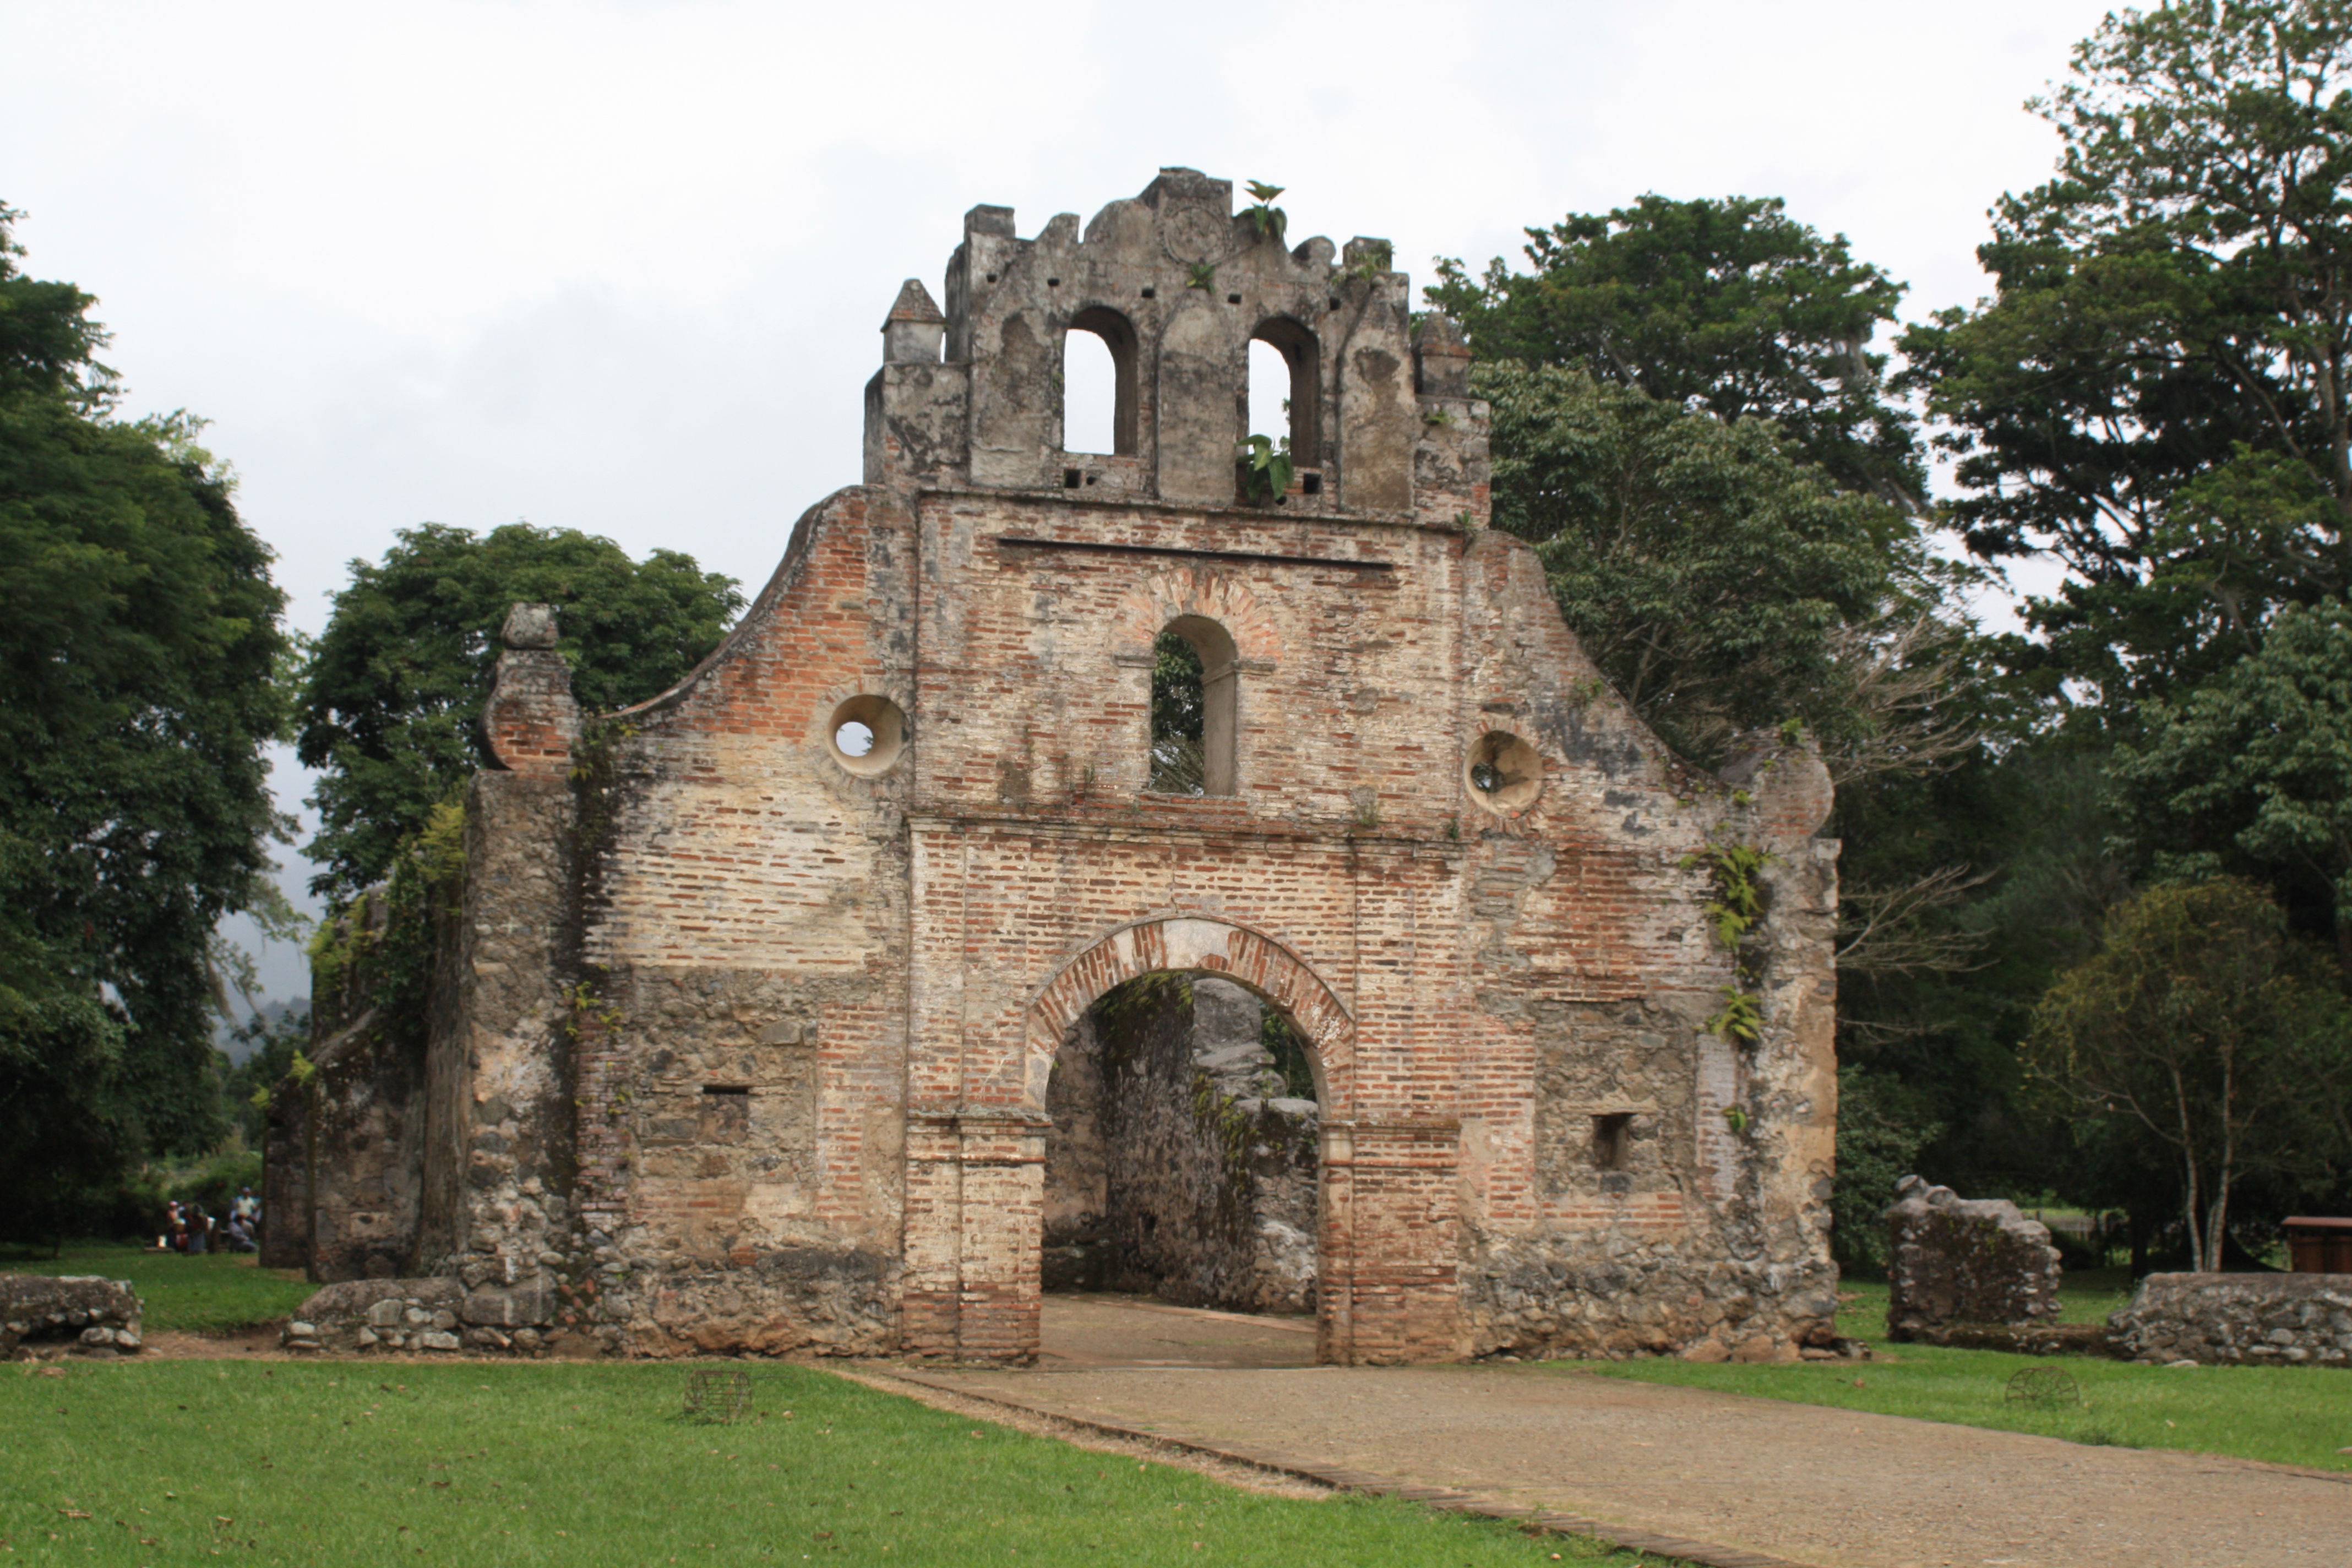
{"points": [[621, 267]]}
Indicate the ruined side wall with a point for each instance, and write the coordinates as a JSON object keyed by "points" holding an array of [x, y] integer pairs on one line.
{"points": [[742, 1086], [344, 1150], [2237, 1320], [1079, 1252], [1595, 977]]}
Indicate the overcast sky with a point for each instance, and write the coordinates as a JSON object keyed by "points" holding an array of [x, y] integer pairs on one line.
{"points": [[621, 267]]}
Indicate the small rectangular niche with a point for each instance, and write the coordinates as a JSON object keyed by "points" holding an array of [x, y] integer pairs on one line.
{"points": [[1613, 1140], [743, 1089]]}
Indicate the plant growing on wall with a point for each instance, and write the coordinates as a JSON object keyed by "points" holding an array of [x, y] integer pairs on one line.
{"points": [[1267, 467], [1734, 906], [1270, 221]]}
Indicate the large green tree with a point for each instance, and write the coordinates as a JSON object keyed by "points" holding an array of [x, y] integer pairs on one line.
{"points": [[1720, 581], [393, 690], [2157, 395], [2210, 1038], [137, 687], [1728, 307], [2253, 770]]}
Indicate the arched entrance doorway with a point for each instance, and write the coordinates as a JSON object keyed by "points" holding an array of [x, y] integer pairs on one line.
{"points": [[1182, 1171], [1268, 971], [975, 1185]]}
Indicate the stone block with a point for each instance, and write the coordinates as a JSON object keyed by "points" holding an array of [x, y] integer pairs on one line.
{"points": [[80, 1309], [1957, 1260], [516, 1307], [435, 1340]]}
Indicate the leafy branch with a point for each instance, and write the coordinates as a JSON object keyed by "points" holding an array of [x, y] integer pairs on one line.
{"points": [[1734, 906]]}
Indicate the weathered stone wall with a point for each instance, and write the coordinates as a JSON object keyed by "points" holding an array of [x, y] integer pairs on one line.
{"points": [[1960, 1261], [750, 1038], [343, 1159], [1079, 1252], [2220, 1320], [81, 1313]]}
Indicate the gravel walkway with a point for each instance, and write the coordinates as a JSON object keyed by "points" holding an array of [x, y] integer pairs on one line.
{"points": [[1710, 1477]]}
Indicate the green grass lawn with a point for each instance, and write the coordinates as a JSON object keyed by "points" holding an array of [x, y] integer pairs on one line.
{"points": [[217, 1290], [387, 1462], [2287, 1414]]}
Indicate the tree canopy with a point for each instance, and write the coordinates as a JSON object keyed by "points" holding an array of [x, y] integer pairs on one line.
{"points": [[1727, 305], [2155, 394], [137, 687], [2213, 1037], [2253, 770], [1721, 581], [392, 694]]}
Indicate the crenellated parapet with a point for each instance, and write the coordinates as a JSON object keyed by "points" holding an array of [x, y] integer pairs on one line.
{"points": [[1176, 286]]}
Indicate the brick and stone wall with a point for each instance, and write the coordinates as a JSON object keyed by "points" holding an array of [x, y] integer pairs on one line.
{"points": [[1955, 1260], [2224, 1320], [747, 1039]]}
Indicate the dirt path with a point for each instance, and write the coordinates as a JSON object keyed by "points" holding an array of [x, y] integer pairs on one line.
{"points": [[1727, 1478]]}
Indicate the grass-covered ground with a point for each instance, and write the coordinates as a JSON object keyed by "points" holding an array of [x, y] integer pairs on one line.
{"points": [[194, 1295], [2286, 1415], [394, 1462]]}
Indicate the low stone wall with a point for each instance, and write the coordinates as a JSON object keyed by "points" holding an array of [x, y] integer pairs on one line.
{"points": [[419, 1315], [82, 1311], [1960, 1260], [1623, 1293], [2230, 1319]]}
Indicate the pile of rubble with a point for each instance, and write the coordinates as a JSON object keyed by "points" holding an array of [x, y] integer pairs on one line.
{"points": [[86, 1314]]}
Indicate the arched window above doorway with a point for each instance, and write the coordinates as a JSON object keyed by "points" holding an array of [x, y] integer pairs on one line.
{"points": [[1195, 677], [1098, 384]]}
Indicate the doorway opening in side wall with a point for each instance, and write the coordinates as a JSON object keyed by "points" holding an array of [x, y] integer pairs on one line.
{"points": [[1182, 1181]]}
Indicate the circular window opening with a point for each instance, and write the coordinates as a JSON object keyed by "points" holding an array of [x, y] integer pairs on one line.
{"points": [[1503, 772], [867, 734]]}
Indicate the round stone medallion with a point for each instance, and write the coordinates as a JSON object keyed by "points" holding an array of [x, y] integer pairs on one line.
{"points": [[1194, 234]]}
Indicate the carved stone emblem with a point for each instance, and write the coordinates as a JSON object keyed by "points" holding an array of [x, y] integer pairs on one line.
{"points": [[1194, 232]]}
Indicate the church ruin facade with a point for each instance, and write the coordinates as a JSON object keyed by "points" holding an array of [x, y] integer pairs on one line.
{"points": [[746, 1028]]}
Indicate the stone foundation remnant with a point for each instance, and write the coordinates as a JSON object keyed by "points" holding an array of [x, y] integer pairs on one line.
{"points": [[79, 1312], [2219, 1320], [1965, 1264], [760, 1020]]}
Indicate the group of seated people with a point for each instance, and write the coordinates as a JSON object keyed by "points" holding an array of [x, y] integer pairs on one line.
{"points": [[189, 1229]]}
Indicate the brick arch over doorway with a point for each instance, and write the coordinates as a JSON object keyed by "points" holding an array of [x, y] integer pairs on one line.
{"points": [[1203, 944]]}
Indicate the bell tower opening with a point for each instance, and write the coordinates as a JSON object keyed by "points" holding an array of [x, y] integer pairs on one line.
{"points": [[1098, 385], [1286, 372]]}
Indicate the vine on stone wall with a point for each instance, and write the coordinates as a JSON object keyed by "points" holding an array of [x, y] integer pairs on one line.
{"points": [[378, 953], [1734, 907]]}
